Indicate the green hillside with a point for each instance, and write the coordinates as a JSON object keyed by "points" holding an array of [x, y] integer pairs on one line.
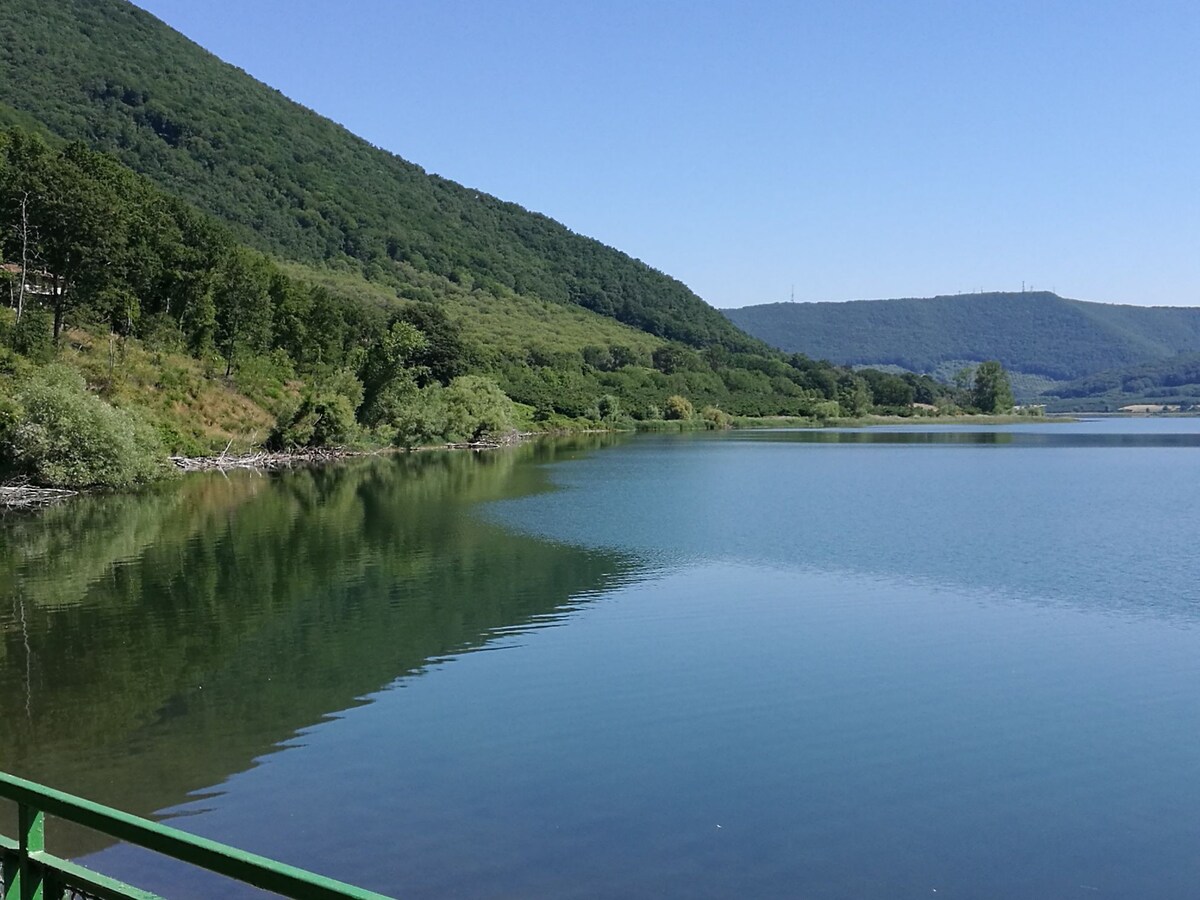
{"points": [[191, 262], [299, 186], [1174, 381], [1038, 333]]}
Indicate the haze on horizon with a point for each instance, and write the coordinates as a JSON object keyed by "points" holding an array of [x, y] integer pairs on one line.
{"points": [[850, 151]]}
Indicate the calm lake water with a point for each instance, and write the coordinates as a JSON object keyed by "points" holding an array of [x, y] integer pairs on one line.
{"points": [[887, 663]]}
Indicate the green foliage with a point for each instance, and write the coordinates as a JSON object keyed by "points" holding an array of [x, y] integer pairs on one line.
{"points": [[300, 186], [242, 301], [68, 437], [442, 355], [389, 368], [854, 395], [991, 392], [265, 378], [476, 408], [716, 419], [323, 419], [420, 417], [825, 410], [608, 410], [31, 336], [678, 408], [11, 415], [672, 358]]}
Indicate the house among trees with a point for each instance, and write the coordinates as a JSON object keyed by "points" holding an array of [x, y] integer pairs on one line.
{"points": [[37, 281]]}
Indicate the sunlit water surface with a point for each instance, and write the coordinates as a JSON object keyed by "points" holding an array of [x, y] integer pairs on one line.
{"points": [[910, 662]]}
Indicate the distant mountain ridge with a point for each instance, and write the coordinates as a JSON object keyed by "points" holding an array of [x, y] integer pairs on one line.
{"points": [[1038, 332]]}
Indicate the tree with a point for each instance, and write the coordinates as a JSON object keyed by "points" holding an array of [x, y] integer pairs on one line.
{"points": [[854, 396], [243, 305], [992, 392], [389, 367], [445, 355]]}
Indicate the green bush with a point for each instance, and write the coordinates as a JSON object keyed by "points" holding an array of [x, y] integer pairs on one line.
{"points": [[32, 336], [11, 415], [476, 408], [69, 437], [716, 419], [322, 420], [679, 407], [419, 417]]}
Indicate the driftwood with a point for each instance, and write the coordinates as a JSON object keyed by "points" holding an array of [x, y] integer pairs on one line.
{"points": [[24, 496], [260, 460], [494, 442]]}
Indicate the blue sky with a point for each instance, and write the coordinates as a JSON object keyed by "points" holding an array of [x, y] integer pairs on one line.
{"points": [[851, 149]]}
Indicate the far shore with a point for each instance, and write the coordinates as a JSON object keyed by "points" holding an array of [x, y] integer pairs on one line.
{"points": [[868, 421]]}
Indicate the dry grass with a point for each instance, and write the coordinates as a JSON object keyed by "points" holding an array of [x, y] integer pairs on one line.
{"points": [[195, 409]]}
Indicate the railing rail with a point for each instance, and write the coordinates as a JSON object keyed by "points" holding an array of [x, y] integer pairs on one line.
{"points": [[31, 873]]}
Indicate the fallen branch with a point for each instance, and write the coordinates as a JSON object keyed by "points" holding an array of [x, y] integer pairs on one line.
{"points": [[492, 442], [260, 460], [24, 496]]}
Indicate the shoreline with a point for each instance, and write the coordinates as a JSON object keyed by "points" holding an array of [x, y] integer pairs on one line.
{"points": [[20, 497]]}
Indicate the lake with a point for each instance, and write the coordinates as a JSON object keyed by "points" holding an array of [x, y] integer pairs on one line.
{"points": [[920, 661]]}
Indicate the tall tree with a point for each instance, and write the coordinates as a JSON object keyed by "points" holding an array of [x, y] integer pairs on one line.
{"points": [[992, 392], [243, 305]]}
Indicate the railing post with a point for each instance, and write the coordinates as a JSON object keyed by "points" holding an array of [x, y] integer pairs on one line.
{"points": [[31, 825]]}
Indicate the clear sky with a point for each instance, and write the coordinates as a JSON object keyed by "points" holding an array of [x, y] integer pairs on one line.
{"points": [[851, 149]]}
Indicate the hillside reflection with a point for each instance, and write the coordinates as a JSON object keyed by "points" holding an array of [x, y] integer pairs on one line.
{"points": [[152, 645]]}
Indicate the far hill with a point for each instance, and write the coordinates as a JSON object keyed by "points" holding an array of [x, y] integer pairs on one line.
{"points": [[1037, 333], [301, 187], [1175, 382]]}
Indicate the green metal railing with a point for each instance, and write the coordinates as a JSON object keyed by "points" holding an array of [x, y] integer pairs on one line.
{"points": [[30, 873]]}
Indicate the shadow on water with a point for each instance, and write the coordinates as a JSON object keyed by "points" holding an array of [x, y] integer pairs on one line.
{"points": [[151, 645]]}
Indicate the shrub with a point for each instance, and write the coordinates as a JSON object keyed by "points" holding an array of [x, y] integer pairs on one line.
{"points": [[420, 417], [679, 407], [11, 415], [323, 419], [32, 336], [716, 418], [475, 408], [68, 437], [608, 409]]}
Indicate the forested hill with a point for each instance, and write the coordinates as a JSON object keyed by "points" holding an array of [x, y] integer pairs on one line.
{"points": [[300, 186], [1172, 381], [1032, 332]]}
